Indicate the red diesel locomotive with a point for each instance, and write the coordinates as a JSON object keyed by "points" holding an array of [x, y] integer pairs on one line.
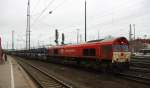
{"points": [[112, 53]]}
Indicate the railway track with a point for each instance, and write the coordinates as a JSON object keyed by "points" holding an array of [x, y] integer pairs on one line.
{"points": [[140, 65], [141, 57], [43, 79], [135, 77], [137, 69], [140, 62]]}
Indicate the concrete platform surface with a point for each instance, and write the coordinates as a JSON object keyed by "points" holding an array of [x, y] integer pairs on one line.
{"points": [[13, 76]]}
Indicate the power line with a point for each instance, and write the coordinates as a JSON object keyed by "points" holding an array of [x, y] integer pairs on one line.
{"points": [[118, 19], [119, 8], [43, 11], [34, 7], [59, 5]]}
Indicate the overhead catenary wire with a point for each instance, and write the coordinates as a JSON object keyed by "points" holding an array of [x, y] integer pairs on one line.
{"points": [[119, 8], [59, 5], [92, 26], [42, 12], [36, 4], [106, 22], [118, 19]]}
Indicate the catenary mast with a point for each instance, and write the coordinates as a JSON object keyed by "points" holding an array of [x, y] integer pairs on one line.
{"points": [[28, 27]]}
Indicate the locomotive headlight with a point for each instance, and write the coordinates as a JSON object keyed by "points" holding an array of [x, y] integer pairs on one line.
{"points": [[117, 59], [127, 60], [122, 54]]}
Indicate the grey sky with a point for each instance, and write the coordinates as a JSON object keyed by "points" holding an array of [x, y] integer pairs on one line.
{"points": [[109, 17]]}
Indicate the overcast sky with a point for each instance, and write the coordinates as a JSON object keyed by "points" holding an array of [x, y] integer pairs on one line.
{"points": [[108, 17]]}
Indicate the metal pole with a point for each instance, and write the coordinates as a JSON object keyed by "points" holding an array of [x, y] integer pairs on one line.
{"points": [[85, 20], [28, 27], [80, 38], [98, 35], [38, 44], [7, 44], [134, 30], [134, 38], [130, 33], [27, 31], [130, 39], [77, 36], [145, 41], [12, 39], [29, 21]]}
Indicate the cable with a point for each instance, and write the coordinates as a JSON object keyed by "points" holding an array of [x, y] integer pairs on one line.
{"points": [[34, 7], [119, 8], [124, 18], [43, 11], [56, 6], [59, 5], [118, 19]]}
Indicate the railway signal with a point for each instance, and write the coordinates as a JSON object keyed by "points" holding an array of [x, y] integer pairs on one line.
{"points": [[56, 36], [63, 38]]}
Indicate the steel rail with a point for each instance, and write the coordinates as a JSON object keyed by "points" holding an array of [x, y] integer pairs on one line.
{"points": [[138, 69], [138, 78], [55, 83]]}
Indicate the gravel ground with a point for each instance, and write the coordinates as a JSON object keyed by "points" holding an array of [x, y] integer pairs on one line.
{"points": [[83, 79]]}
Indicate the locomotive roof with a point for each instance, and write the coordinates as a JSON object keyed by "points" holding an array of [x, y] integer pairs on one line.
{"points": [[108, 41], [113, 39], [95, 40]]}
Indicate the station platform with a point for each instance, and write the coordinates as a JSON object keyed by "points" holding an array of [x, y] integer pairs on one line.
{"points": [[13, 76]]}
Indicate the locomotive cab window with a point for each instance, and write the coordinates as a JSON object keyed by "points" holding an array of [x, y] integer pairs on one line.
{"points": [[89, 52], [119, 48]]}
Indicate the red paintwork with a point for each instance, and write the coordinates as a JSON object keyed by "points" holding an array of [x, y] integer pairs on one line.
{"points": [[76, 51]]}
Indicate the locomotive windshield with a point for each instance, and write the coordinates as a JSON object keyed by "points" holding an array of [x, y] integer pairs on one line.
{"points": [[119, 48]]}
